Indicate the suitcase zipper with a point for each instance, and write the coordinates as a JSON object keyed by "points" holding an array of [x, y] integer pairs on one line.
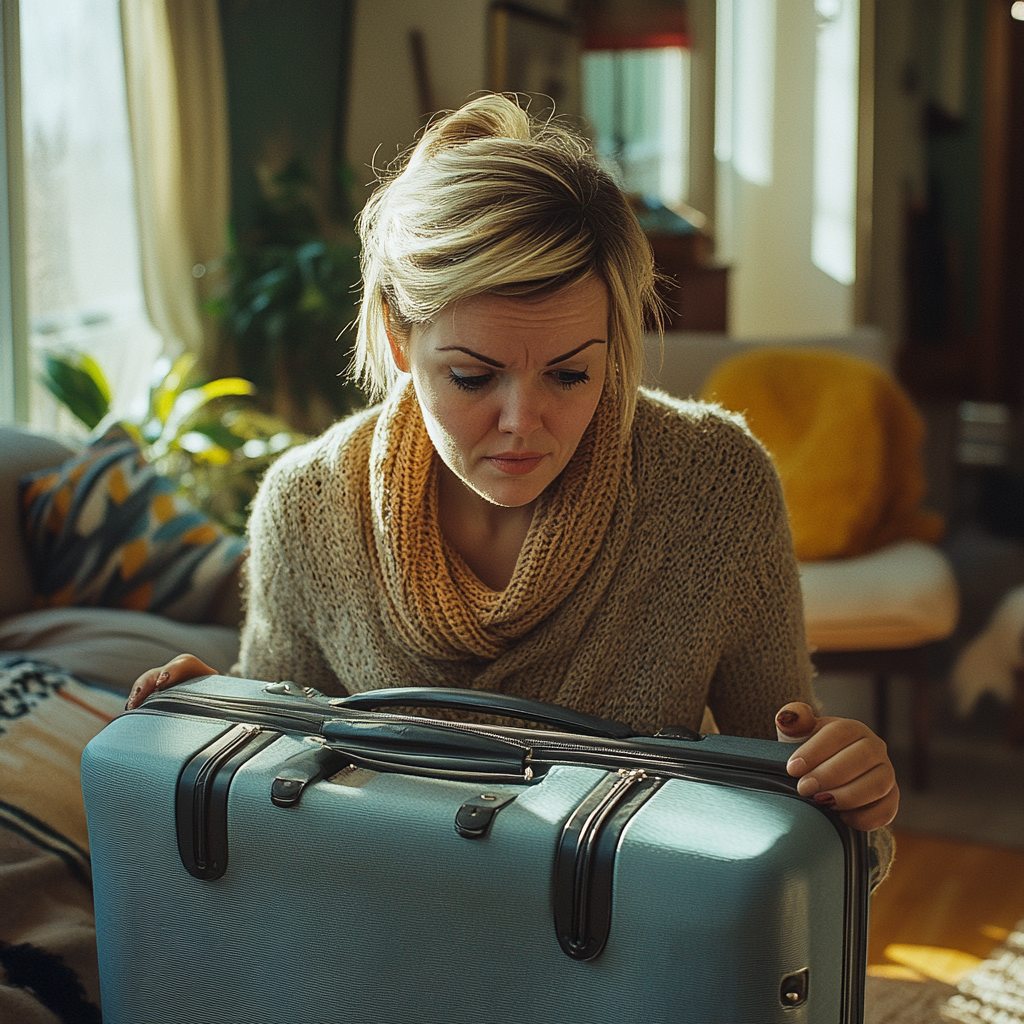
{"points": [[202, 796], [541, 749], [585, 860], [203, 784]]}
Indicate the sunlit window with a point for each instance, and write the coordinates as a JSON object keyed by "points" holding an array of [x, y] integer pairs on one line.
{"points": [[833, 238], [637, 102], [745, 87], [84, 285]]}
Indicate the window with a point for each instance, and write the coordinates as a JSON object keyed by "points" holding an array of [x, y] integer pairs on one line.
{"points": [[84, 285], [637, 102], [833, 236]]}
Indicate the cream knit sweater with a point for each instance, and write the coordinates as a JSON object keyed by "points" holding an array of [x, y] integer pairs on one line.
{"points": [[699, 606]]}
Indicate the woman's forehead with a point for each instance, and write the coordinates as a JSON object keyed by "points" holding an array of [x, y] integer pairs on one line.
{"points": [[578, 309]]}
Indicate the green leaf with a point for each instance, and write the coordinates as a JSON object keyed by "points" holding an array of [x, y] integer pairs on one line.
{"points": [[78, 383], [219, 433], [224, 386]]}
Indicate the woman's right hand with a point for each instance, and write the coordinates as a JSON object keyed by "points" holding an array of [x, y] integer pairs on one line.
{"points": [[177, 670]]}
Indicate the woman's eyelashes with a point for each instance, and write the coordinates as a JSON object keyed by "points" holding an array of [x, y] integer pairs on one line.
{"points": [[570, 378], [566, 379], [469, 382]]}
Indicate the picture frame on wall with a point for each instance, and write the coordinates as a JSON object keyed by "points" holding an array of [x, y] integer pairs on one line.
{"points": [[538, 54]]}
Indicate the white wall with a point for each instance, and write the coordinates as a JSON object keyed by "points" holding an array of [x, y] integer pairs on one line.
{"points": [[384, 111]]}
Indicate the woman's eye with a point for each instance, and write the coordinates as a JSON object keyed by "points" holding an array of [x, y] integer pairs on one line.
{"points": [[469, 382], [570, 378]]}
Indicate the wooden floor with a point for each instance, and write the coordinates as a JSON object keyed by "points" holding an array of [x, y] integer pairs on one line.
{"points": [[944, 906]]}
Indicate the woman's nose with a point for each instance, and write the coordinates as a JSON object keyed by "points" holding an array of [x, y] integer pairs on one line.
{"points": [[521, 409]]}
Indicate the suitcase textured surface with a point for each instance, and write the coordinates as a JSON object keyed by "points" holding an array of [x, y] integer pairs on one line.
{"points": [[262, 854]]}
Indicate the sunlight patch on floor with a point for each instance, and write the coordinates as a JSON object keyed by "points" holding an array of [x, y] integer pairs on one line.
{"points": [[919, 963]]}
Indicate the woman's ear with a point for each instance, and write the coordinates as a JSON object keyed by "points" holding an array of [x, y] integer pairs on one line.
{"points": [[397, 351]]}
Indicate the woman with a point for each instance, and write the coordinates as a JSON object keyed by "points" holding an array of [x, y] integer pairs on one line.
{"points": [[517, 515]]}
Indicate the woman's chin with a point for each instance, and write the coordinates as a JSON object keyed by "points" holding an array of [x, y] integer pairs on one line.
{"points": [[510, 492]]}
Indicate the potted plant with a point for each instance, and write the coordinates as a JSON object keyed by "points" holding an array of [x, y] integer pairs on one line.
{"points": [[291, 292]]}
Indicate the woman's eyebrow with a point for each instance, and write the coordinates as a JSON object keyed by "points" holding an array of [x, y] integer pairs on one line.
{"points": [[580, 348], [475, 355], [501, 366]]}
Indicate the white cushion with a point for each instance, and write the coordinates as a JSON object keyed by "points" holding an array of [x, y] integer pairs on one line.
{"points": [[112, 646], [902, 596]]}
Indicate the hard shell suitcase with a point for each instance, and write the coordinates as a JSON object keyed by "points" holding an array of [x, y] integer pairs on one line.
{"points": [[264, 854]]}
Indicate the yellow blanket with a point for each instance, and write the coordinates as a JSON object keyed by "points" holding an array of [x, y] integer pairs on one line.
{"points": [[846, 440]]}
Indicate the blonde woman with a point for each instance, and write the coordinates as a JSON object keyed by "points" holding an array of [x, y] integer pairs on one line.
{"points": [[517, 515]]}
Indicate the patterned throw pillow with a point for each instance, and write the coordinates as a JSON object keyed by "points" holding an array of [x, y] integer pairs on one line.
{"points": [[105, 529]]}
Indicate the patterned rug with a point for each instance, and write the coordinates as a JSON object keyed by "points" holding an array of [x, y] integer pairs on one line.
{"points": [[993, 993]]}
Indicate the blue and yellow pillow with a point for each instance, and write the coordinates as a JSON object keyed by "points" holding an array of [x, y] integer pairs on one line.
{"points": [[105, 529]]}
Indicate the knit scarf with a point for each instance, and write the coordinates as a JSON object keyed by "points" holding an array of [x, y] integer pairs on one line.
{"points": [[437, 604]]}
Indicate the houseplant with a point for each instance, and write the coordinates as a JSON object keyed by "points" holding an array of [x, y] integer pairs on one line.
{"points": [[209, 436], [292, 280]]}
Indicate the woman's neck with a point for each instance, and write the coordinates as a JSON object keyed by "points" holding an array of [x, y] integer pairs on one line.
{"points": [[488, 537]]}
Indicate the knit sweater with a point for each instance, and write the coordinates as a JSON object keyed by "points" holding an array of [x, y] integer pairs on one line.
{"points": [[692, 599]]}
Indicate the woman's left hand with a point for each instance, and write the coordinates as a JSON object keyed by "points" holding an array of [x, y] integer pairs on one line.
{"points": [[841, 764]]}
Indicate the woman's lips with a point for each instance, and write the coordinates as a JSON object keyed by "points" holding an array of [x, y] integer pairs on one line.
{"points": [[515, 463]]}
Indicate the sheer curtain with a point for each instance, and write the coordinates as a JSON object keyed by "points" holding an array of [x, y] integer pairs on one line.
{"points": [[177, 109], [82, 277]]}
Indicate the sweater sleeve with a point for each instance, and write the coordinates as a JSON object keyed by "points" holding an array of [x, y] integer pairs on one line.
{"points": [[278, 641], [764, 662]]}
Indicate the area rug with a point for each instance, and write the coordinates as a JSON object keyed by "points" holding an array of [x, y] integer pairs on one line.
{"points": [[992, 993]]}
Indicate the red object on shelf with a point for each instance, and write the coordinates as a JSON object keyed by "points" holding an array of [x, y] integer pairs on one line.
{"points": [[636, 41]]}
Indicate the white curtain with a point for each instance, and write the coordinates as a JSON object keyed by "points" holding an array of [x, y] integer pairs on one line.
{"points": [[177, 108]]}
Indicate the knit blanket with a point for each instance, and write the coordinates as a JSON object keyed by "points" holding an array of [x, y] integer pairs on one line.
{"points": [[846, 440], [48, 970]]}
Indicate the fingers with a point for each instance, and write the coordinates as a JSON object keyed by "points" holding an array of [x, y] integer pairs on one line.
{"points": [[795, 722], [842, 765], [177, 670], [874, 815]]}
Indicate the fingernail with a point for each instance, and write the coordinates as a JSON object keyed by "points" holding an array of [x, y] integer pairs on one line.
{"points": [[824, 799], [808, 786], [787, 718], [162, 678], [796, 764]]}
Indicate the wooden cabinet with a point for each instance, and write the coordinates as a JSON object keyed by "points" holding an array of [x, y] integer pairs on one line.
{"points": [[695, 289]]}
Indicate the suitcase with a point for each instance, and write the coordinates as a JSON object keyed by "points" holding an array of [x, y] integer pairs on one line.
{"points": [[262, 853]]}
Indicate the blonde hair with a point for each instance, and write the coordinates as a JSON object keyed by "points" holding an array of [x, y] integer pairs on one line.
{"points": [[491, 201]]}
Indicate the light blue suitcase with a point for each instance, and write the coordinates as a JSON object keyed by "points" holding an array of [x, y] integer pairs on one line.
{"points": [[263, 854]]}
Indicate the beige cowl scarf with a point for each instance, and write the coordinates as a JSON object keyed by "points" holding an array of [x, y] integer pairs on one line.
{"points": [[438, 605]]}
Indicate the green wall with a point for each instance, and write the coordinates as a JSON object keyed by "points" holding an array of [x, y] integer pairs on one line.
{"points": [[286, 64]]}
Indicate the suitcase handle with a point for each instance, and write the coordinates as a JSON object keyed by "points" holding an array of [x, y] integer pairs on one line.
{"points": [[482, 701], [426, 749]]}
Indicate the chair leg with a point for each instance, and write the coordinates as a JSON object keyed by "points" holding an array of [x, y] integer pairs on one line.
{"points": [[1015, 730], [881, 681], [921, 724]]}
